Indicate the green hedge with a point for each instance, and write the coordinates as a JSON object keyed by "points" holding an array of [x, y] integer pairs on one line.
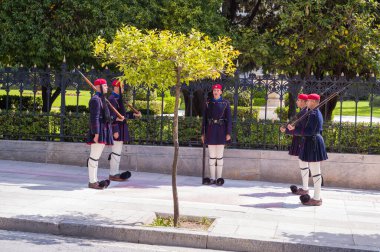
{"points": [[249, 133], [376, 101], [73, 108], [245, 112], [154, 107], [25, 125], [14, 102]]}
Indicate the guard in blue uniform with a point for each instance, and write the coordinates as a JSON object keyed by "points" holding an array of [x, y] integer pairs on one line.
{"points": [[120, 132], [295, 147], [216, 131], [100, 133], [313, 148]]}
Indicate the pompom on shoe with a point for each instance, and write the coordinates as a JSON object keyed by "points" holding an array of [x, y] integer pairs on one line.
{"points": [[206, 181], [293, 188], [104, 183], [298, 191], [95, 185], [120, 177], [220, 181]]}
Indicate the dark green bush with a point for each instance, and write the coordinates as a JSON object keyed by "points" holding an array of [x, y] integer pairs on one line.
{"points": [[376, 101], [24, 125], [28, 103], [154, 107], [245, 112], [260, 102], [250, 132], [282, 113], [169, 103], [244, 98], [73, 108]]}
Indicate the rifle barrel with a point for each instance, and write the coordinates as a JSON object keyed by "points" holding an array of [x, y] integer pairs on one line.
{"points": [[120, 116]]}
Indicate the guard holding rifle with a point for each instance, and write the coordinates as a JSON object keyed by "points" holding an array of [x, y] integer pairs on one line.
{"points": [[120, 132], [100, 133], [313, 148], [295, 148], [216, 131]]}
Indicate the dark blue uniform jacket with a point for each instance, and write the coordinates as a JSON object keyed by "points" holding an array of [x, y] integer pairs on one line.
{"points": [[217, 122]]}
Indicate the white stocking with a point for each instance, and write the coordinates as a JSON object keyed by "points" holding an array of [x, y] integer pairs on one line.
{"points": [[92, 163], [315, 168], [304, 166], [115, 157]]}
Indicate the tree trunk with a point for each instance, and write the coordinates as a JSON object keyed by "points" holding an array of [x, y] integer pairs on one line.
{"points": [[47, 103], [292, 106], [176, 148]]}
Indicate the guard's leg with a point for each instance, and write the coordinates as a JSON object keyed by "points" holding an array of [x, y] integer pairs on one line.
{"points": [[315, 168], [304, 166], [212, 161], [92, 163], [219, 164], [115, 157]]}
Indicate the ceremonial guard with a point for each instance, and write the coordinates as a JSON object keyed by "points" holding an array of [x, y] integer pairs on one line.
{"points": [[313, 149], [120, 132], [216, 131], [100, 133], [295, 147]]}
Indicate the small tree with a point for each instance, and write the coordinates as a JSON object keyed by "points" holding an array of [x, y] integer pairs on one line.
{"points": [[166, 58]]}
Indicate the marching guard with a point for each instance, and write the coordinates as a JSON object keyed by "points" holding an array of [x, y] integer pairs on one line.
{"points": [[120, 132], [216, 131], [295, 147], [313, 149], [100, 133]]}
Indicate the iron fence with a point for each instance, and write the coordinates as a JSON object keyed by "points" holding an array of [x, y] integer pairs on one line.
{"points": [[259, 105]]}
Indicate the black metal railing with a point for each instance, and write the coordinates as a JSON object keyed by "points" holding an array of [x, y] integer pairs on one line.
{"points": [[259, 105]]}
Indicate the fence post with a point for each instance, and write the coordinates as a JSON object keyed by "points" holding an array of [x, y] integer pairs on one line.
{"points": [[236, 97], [63, 101]]}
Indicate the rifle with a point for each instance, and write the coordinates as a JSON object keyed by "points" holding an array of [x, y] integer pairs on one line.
{"points": [[120, 116], [131, 107], [127, 103], [203, 162], [319, 105], [295, 118]]}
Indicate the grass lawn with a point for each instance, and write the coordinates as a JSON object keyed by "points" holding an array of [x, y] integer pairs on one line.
{"points": [[363, 109], [71, 97]]}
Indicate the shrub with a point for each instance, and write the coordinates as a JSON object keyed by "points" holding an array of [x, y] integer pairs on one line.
{"points": [[244, 97], [141, 94], [260, 102], [376, 101], [24, 126], [282, 113], [245, 112], [73, 108], [28, 102], [169, 103], [154, 107]]}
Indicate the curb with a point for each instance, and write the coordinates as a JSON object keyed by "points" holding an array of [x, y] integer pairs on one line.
{"points": [[164, 236]]}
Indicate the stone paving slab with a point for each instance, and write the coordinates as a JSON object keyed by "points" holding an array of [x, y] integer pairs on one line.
{"points": [[249, 215]]}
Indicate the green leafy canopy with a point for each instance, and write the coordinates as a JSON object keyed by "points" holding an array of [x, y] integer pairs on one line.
{"points": [[156, 57]]}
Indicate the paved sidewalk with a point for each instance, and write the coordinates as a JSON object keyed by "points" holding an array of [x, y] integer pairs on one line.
{"points": [[250, 215]]}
